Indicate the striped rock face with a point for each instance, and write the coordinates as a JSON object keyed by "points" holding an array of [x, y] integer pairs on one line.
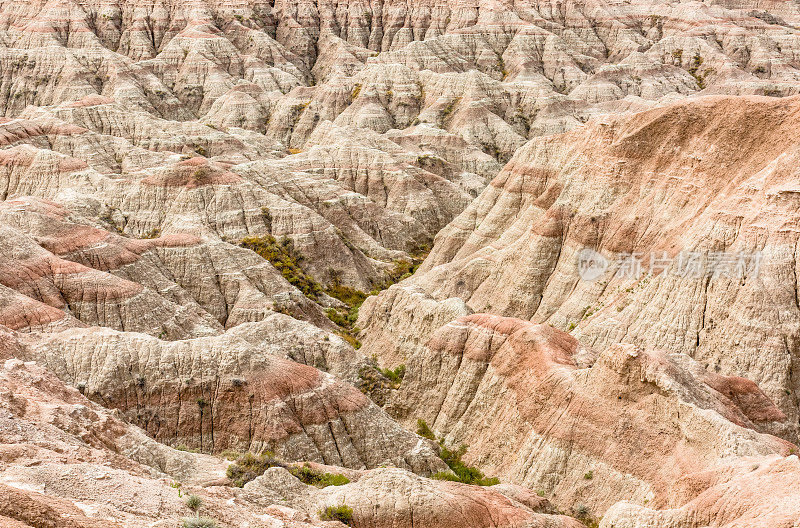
{"points": [[708, 178], [536, 407], [197, 196]]}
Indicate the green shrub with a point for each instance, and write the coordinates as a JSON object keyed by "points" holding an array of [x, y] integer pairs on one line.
{"points": [[588, 475], [354, 342], [341, 513], [396, 375], [463, 473], [424, 431], [200, 522], [249, 466], [350, 296], [336, 317], [345, 318], [193, 502], [312, 477], [286, 260]]}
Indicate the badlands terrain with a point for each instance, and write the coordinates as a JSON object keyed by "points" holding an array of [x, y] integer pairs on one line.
{"points": [[312, 262]]}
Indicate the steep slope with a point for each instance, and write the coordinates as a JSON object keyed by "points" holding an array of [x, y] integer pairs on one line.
{"points": [[69, 463], [194, 197], [235, 392], [538, 409], [173, 116], [713, 178]]}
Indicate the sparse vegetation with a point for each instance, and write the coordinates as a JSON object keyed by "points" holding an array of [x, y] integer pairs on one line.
{"points": [[461, 472], [193, 502], [341, 513], [424, 431], [694, 68], [176, 486], [448, 110], [583, 514], [346, 317], [249, 466], [230, 454], [200, 522], [199, 177], [320, 479], [286, 260], [295, 113], [501, 65], [396, 375], [374, 384], [153, 233], [589, 475]]}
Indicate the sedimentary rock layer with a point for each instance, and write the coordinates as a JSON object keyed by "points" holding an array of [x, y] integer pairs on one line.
{"points": [[537, 408], [711, 176]]}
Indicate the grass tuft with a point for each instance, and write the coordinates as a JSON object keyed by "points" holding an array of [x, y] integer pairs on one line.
{"points": [[312, 477], [341, 513], [249, 466]]}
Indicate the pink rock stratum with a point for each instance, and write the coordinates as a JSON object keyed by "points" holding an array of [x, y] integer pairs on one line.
{"points": [[322, 263]]}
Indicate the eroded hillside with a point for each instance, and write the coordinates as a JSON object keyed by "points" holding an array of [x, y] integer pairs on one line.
{"points": [[196, 197]]}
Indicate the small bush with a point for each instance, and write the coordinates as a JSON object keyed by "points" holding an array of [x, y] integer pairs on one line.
{"points": [[336, 317], [589, 475], [345, 318], [200, 522], [193, 502], [352, 341], [286, 260], [463, 473], [312, 477], [395, 376], [249, 466], [424, 431], [341, 513], [350, 296]]}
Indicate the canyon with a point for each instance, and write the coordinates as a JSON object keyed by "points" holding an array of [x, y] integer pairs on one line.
{"points": [[319, 262]]}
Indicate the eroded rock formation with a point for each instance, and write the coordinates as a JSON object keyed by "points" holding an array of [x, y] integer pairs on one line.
{"points": [[195, 197]]}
